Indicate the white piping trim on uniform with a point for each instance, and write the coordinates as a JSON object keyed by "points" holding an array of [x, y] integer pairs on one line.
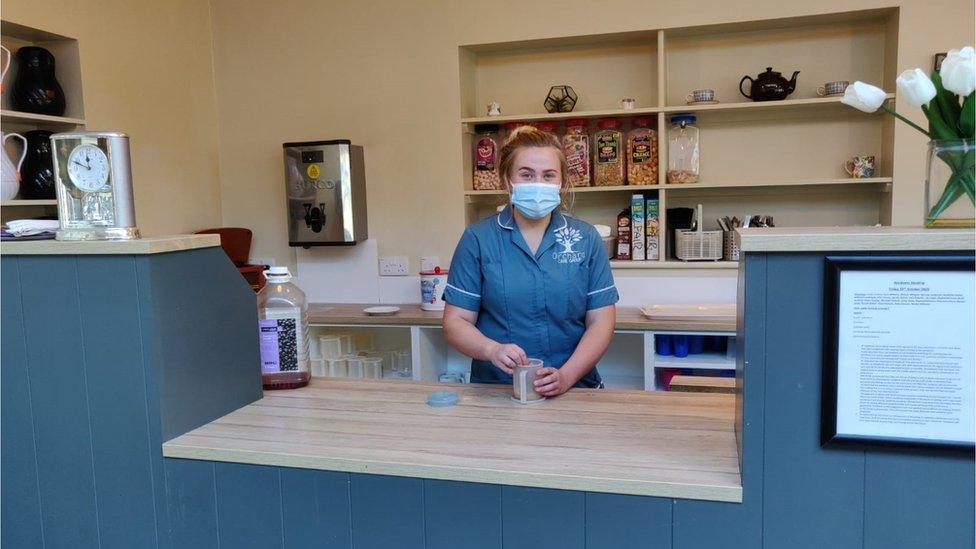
{"points": [[463, 291], [565, 221], [499, 219], [610, 287]]}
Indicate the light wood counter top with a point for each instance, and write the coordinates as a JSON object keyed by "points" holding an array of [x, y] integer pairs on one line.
{"points": [[142, 246], [856, 239], [628, 318], [675, 445]]}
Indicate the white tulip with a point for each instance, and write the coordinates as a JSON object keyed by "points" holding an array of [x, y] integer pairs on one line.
{"points": [[958, 71], [915, 87], [864, 97]]}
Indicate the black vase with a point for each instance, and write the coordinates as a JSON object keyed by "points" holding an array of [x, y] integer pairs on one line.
{"points": [[36, 90], [37, 173]]}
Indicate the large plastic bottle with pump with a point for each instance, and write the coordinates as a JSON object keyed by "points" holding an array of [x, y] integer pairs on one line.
{"points": [[283, 329]]}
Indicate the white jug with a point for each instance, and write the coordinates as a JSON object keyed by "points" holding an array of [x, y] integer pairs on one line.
{"points": [[10, 177]]}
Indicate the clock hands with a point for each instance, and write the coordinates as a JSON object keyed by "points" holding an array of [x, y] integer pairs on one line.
{"points": [[80, 164]]}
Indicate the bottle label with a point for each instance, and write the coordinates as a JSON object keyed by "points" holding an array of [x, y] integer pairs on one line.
{"points": [[641, 149], [577, 155], [485, 155], [608, 146], [279, 340]]}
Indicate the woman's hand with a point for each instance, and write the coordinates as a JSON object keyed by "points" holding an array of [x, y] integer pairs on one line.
{"points": [[551, 382], [506, 356]]}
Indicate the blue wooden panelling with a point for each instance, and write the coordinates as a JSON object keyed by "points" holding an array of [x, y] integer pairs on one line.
{"points": [[539, 518], [387, 512], [248, 506], [122, 452], [615, 521], [806, 486], [20, 502], [205, 346], [704, 524], [191, 505], [315, 509], [462, 514], [59, 401], [918, 499]]}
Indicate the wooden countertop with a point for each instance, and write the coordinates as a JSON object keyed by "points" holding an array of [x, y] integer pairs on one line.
{"points": [[628, 318], [854, 239], [142, 246], [675, 445]]}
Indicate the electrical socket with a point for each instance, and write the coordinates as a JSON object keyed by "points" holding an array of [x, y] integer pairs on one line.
{"points": [[394, 266]]}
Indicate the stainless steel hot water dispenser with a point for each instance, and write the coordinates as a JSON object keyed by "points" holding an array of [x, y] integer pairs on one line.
{"points": [[325, 185]]}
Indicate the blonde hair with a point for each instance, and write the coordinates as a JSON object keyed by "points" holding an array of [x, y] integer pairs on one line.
{"points": [[530, 136]]}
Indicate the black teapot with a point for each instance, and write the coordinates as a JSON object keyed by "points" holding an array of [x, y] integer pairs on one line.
{"points": [[769, 86], [37, 172]]}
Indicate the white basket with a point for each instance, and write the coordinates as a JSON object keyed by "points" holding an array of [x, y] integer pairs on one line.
{"points": [[698, 245]]}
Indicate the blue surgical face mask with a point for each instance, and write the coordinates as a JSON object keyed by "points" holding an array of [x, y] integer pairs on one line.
{"points": [[535, 200]]}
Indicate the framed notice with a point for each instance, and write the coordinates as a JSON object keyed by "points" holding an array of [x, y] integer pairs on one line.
{"points": [[898, 351]]}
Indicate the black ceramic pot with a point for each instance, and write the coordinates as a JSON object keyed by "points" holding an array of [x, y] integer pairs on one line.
{"points": [[37, 173], [36, 90]]}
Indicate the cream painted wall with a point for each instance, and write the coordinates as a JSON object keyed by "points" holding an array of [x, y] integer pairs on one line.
{"points": [[385, 75], [147, 71]]}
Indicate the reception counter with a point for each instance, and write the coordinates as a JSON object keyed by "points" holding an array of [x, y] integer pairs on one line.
{"points": [[133, 417], [627, 442]]}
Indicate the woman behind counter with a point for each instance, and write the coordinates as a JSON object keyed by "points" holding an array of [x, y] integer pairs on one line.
{"points": [[531, 281]]}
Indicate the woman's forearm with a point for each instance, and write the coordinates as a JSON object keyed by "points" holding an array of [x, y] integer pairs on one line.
{"points": [[595, 340], [468, 339]]}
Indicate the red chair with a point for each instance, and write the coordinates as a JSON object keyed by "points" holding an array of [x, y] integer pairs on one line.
{"points": [[236, 243]]}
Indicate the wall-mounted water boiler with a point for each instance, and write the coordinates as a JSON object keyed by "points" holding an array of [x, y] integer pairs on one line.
{"points": [[325, 186]]}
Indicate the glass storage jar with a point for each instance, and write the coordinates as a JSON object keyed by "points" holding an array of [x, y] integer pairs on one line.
{"points": [[642, 153], [683, 150], [546, 126], [608, 160], [576, 147], [485, 162], [511, 127]]}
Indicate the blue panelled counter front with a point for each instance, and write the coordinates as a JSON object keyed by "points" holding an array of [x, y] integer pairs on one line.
{"points": [[106, 355]]}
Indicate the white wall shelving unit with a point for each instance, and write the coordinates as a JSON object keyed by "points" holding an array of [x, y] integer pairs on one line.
{"points": [[781, 158], [68, 73], [630, 362]]}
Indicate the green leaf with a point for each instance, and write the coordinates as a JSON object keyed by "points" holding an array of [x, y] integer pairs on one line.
{"points": [[938, 129], [948, 104], [967, 117], [952, 191]]}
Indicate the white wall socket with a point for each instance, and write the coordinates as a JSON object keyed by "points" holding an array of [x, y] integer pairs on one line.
{"points": [[394, 266]]}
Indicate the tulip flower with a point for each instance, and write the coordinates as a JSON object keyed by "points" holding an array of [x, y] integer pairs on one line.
{"points": [[915, 88], [864, 97], [958, 71]]}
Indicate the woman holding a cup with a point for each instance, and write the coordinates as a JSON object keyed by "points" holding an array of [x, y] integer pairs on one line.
{"points": [[530, 281]]}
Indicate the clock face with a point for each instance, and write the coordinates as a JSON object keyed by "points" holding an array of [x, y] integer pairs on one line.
{"points": [[88, 168]]}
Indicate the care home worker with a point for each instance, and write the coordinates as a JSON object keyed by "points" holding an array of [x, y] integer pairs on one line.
{"points": [[531, 282]]}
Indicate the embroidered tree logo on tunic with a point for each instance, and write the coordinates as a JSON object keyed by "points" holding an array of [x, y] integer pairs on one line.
{"points": [[566, 237]]}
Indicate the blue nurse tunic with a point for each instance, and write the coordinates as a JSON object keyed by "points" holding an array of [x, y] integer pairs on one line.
{"points": [[538, 302]]}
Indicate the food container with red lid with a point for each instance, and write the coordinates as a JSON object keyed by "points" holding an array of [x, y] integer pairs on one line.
{"points": [[432, 286], [608, 156], [576, 148], [546, 126]]}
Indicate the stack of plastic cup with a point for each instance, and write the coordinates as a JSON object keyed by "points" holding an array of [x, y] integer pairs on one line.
{"points": [[372, 367], [330, 346], [354, 366], [337, 367]]}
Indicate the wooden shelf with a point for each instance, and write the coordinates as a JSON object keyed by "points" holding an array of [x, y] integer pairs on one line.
{"points": [[841, 181], [9, 116], [673, 264], [7, 203], [878, 182], [800, 105]]}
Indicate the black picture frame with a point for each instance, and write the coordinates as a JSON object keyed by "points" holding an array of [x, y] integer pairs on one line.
{"points": [[833, 267], [939, 58]]}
